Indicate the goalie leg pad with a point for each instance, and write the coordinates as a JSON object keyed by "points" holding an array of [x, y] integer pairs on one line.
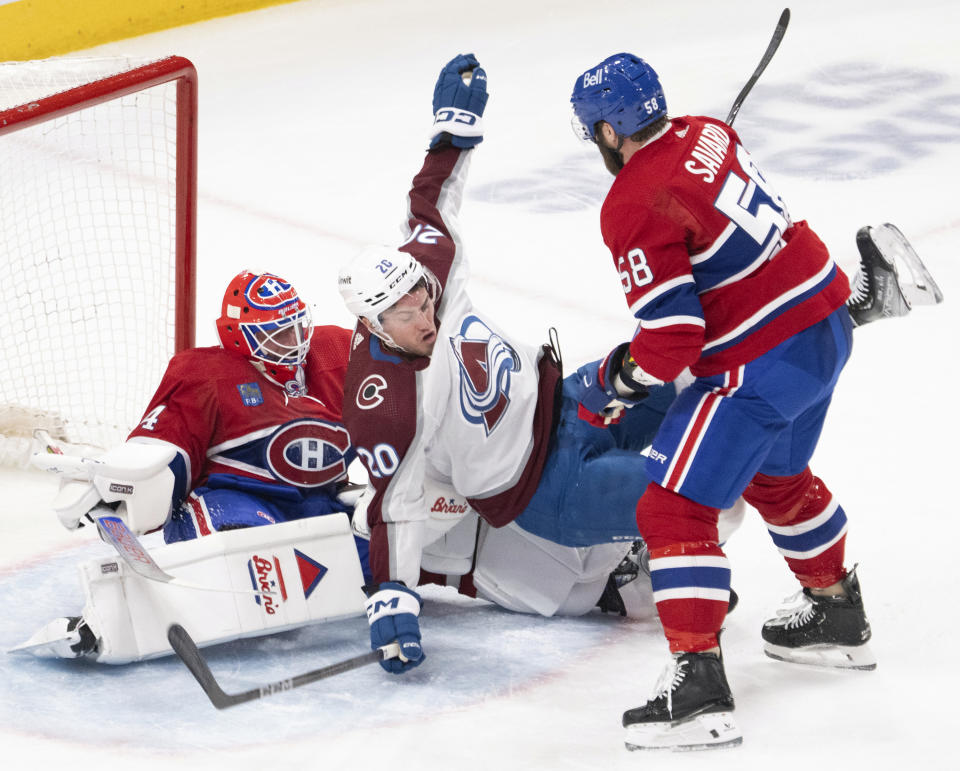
{"points": [[310, 566]]}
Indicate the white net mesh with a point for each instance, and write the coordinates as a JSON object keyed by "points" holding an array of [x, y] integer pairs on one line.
{"points": [[87, 243]]}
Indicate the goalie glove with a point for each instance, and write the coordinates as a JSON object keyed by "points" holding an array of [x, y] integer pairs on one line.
{"points": [[611, 386], [459, 99], [393, 611], [136, 478]]}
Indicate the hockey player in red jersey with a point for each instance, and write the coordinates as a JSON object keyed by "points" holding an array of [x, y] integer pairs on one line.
{"points": [[255, 421], [722, 280]]}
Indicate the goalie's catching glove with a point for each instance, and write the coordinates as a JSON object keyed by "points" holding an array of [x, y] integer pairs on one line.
{"points": [[612, 386], [393, 610], [458, 105]]}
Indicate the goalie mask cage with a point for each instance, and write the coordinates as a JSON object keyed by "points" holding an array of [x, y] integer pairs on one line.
{"points": [[97, 240]]}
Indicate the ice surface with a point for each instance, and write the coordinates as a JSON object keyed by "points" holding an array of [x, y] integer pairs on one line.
{"points": [[313, 116]]}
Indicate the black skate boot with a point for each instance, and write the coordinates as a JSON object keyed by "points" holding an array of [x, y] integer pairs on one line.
{"points": [[891, 278], [634, 565], [628, 591], [691, 710], [68, 637], [828, 631]]}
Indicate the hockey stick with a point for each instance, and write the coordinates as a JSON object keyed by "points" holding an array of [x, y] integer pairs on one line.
{"points": [[184, 646], [767, 56], [114, 531]]}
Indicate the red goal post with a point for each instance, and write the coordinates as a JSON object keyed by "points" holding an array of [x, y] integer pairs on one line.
{"points": [[98, 186]]}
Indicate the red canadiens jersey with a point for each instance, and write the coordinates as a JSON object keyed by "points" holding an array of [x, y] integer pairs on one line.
{"points": [[476, 415], [710, 262], [225, 417]]}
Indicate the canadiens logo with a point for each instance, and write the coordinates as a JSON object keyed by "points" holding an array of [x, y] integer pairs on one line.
{"points": [[486, 363], [368, 394], [308, 452], [266, 576], [270, 292]]}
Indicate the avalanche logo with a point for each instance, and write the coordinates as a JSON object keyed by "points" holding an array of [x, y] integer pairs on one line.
{"points": [[486, 361], [308, 452], [368, 394]]}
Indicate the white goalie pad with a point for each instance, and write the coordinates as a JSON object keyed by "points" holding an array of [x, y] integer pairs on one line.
{"points": [[528, 574], [309, 566]]}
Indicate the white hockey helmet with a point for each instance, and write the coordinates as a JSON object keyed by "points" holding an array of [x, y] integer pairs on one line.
{"points": [[377, 278]]}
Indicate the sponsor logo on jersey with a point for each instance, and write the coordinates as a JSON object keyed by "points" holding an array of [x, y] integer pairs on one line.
{"points": [[311, 572], [250, 394], [368, 394], [308, 452], [266, 576], [486, 363], [656, 456], [445, 506], [121, 489]]}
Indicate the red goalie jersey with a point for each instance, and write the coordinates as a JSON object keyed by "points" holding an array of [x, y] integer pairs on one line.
{"points": [[225, 417], [710, 262]]}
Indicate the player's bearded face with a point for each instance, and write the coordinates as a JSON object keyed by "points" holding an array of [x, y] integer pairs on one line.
{"points": [[411, 323], [612, 157]]}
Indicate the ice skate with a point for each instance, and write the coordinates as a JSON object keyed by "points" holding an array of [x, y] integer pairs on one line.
{"points": [[891, 278], [825, 631], [62, 638], [692, 709]]}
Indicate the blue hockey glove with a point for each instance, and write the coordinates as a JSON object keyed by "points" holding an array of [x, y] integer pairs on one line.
{"points": [[457, 105], [392, 611], [602, 402]]}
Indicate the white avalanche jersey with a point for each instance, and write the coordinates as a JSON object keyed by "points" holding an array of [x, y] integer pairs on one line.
{"points": [[477, 414]]}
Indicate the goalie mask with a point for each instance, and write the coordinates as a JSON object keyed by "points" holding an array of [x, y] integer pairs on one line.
{"points": [[264, 320]]}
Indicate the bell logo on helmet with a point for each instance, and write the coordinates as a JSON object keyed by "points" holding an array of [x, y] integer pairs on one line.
{"points": [[593, 78]]}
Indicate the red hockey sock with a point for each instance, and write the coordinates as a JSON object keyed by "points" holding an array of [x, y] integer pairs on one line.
{"points": [[806, 524]]}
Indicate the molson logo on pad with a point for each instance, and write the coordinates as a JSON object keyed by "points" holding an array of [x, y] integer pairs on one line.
{"points": [[265, 575]]}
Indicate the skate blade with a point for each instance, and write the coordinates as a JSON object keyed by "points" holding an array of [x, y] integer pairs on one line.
{"points": [[916, 282], [830, 656], [49, 642], [713, 731]]}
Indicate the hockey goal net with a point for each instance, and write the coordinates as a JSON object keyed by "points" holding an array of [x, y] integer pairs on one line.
{"points": [[97, 216]]}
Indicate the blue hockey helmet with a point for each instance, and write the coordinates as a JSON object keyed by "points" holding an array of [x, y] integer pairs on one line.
{"points": [[622, 90]]}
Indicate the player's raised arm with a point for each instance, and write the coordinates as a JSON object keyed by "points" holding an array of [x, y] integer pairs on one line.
{"points": [[433, 203]]}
